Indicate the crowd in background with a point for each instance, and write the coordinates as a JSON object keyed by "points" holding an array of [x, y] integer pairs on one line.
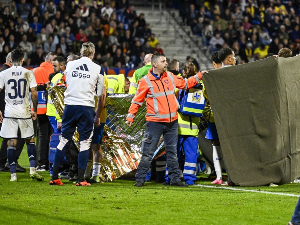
{"points": [[122, 38], [254, 29]]}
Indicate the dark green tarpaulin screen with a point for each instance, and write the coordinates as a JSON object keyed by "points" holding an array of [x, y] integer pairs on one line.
{"points": [[257, 113]]}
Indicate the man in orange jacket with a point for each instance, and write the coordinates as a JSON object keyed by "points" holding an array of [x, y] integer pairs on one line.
{"points": [[41, 74], [158, 87]]}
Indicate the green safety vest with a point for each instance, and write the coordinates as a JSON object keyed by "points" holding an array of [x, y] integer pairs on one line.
{"points": [[116, 83], [51, 111], [138, 74]]}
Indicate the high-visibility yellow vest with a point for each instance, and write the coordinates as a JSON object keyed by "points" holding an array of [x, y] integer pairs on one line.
{"points": [[116, 84], [188, 125], [51, 111], [103, 114]]}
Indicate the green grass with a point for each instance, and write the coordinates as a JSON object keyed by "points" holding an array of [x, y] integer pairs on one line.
{"points": [[119, 202]]}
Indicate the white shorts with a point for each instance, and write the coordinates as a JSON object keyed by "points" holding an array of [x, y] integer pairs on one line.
{"points": [[10, 126]]}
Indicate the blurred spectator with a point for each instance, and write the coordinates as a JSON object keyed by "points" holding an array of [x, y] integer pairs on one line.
{"points": [[69, 37], [246, 24], [63, 46], [45, 19], [119, 57], [128, 38], [219, 21], [31, 37], [261, 51], [93, 37], [130, 14], [152, 40], [13, 9], [107, 9], [49, 45], [207, 34], [103, 38], [80, 36], [136, 52], [6, 16], [37, 44], [26, 45], [108, 59], [23, 23], [274, 46], [158, 49], [100, 48], [191, 19], [37, 57], [113, 38], [50, 8], [110, 28], [23, 9], [62, 7], [18, 35], [12, 44], [4, 53], [2, 43], [36, 26], [147, 48], [51, 26], [238, 14], [198, 28], [33, 13], [247, 53], [295, 36], [57, 17], [95, 9], [43, 35], [141, 20], [216, 43]]}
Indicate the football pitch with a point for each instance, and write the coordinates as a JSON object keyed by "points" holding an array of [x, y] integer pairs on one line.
{"points": [[119, 202]]}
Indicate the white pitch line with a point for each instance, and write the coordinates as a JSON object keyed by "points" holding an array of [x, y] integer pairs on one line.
{"points": [[246, 190]]}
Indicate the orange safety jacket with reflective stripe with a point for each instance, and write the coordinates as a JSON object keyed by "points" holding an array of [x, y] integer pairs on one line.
{"points": [[41, 74], [161, 101]]}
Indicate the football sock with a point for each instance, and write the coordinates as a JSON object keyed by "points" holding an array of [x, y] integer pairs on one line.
{"points": [[96, 169], [31, 151], [83, 158], [216, 161], [11, 159]]}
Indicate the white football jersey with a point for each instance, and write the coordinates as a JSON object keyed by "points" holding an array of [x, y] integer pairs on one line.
{"points": [[17, 81], [84, 79]]}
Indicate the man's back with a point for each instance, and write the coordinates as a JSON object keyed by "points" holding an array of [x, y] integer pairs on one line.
{"points": [[82, 78], [17, 81]]}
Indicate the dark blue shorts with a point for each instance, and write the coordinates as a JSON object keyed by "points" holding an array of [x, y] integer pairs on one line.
{"points": [[78, 116], [211, 132], [98, 133]]}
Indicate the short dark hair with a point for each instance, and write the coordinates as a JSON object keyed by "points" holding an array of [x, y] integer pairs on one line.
{"points": [[285, 53], [224, 53], [60, 60], [155, 56], [215, 57], [172, 64], [17, 55]]}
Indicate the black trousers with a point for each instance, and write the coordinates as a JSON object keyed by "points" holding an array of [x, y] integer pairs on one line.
{"points": [[44, 131]]}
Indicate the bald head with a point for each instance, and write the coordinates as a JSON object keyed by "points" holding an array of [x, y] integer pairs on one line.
{"points": [[147, 58], [8, 59], [50, 56]]}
